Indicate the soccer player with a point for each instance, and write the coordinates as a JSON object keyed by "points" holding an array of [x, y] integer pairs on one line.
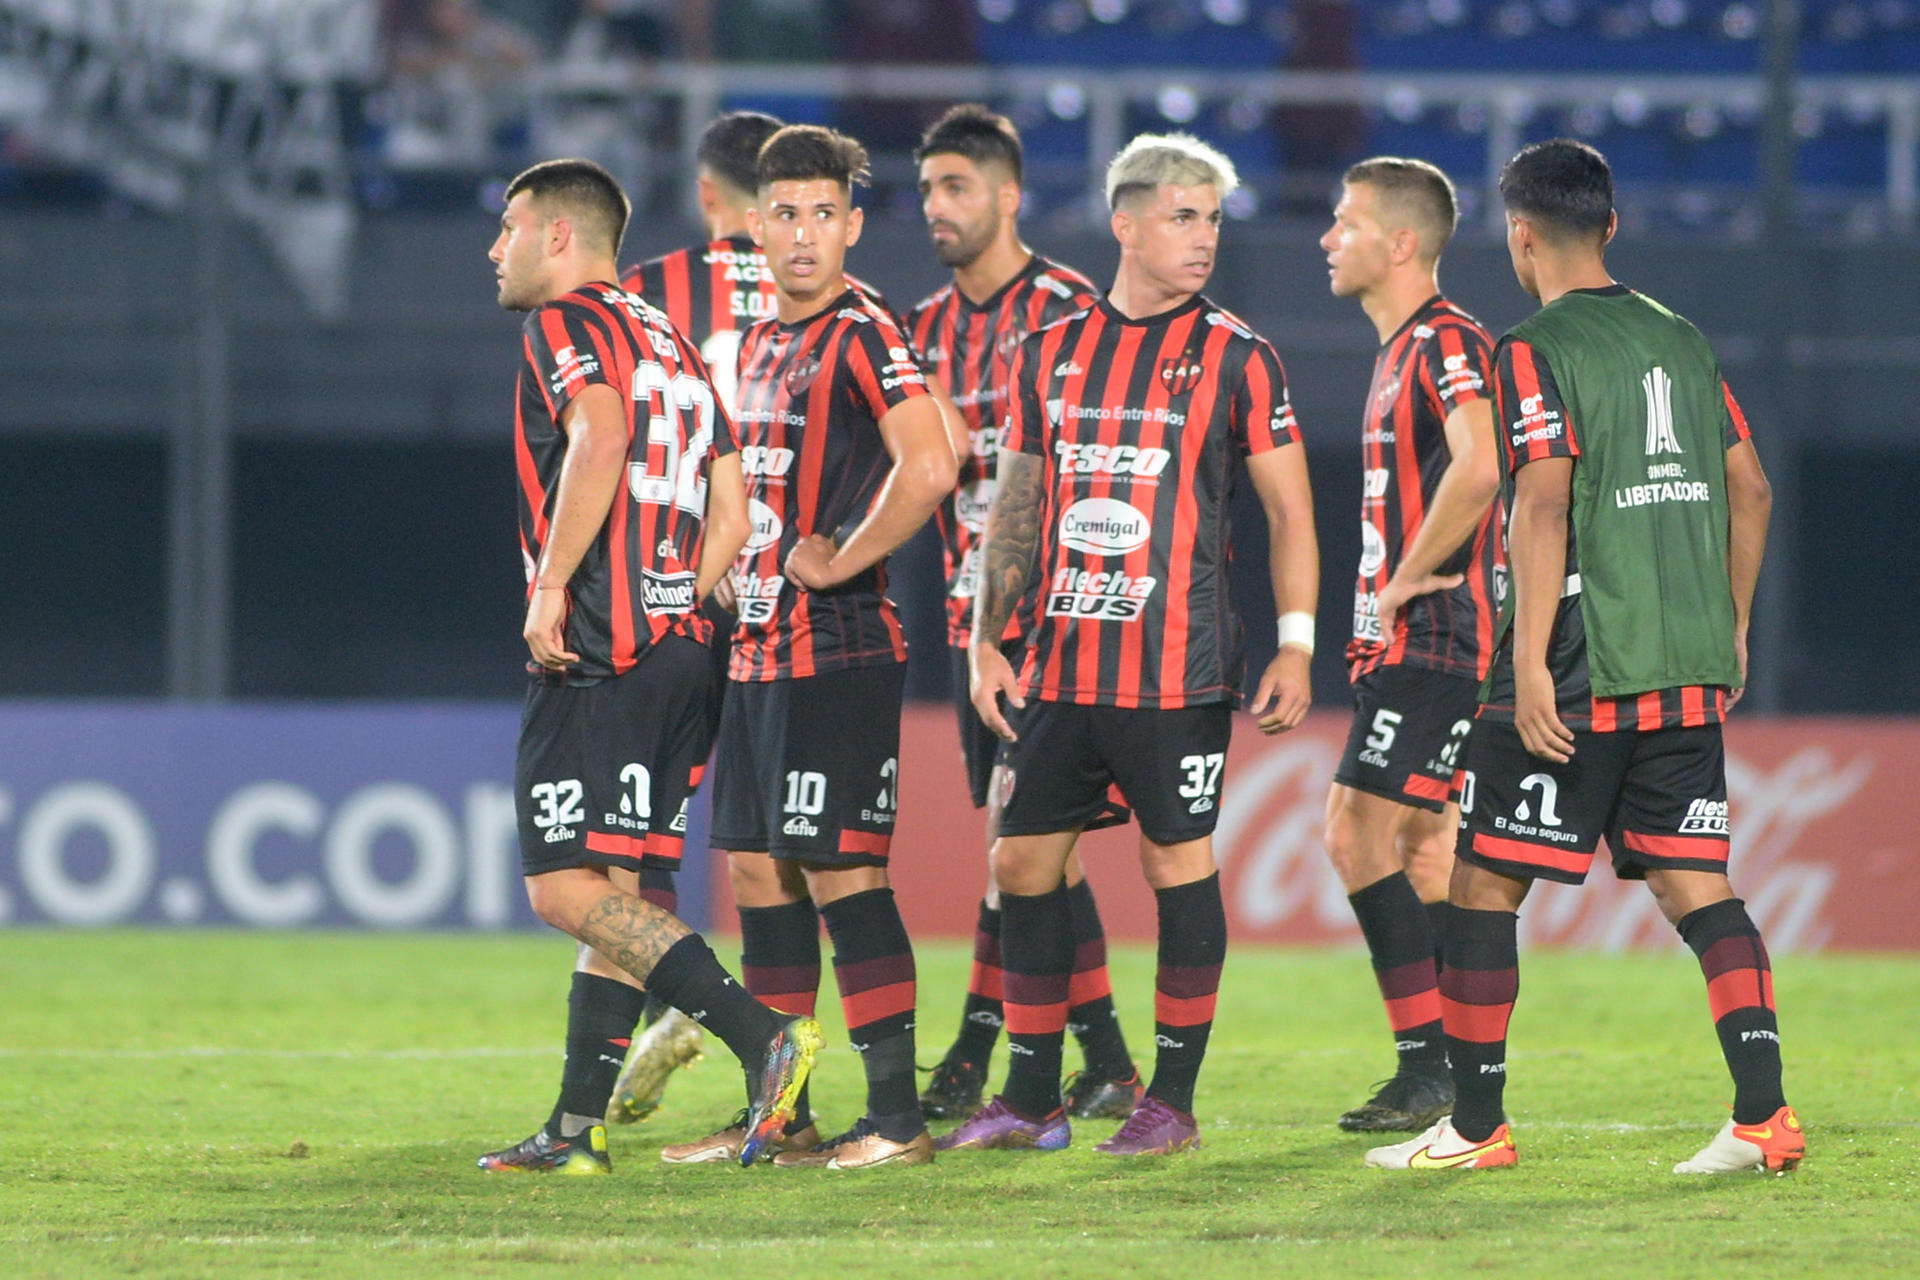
{"points": [[1127, 426], [1423, 609], [967, 332], [632, 505], [1638, 517], [711, 292], [847, 455]]}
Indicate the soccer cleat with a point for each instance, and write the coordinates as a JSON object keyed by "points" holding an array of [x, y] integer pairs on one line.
{"points": [[998, 1127], [584, 1153], [725, 1144], [861, 1147], [782, 1075], [1442, 1147], [1408, 1103], [1776, 1145], [670, 1043], [1091, 1097], [1154, 1129], [954, 1092]]}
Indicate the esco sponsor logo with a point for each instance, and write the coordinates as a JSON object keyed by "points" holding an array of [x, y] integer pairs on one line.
{"points": [[766, 524], [1373, 484], [1100, 459], [766, 460], [1104, 527]]}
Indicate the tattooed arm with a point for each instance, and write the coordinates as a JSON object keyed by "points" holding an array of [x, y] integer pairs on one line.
{"points": [[1013, 540]]}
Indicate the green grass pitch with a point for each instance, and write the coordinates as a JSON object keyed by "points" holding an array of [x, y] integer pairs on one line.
{"points": [[194, 1104]]}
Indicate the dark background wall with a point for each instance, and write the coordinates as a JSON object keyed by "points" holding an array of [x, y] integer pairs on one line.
{"points": [[374, 548]]}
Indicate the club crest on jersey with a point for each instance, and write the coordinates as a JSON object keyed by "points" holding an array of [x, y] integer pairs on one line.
{"points": [[801, 375], [1181, 374], [1010, 341]]}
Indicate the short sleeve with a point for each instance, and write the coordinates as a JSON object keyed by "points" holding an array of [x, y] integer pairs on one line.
{"points": [[1026, 423], [882, 370], [567, 351], [1458, 366], [1533, 418], [1261, 415], [725, 439], [1736, 429]]}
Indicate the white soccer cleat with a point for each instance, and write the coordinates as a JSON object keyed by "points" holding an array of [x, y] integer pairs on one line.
{"points": [[672, 1042], [1776, 1145], [1441, 1147]]}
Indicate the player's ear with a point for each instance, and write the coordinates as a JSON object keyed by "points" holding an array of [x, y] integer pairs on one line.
{"points": [[856, 219], [1122, 224], [1008, 199], [755, 227], [709, 195], [559, 235], [1613, 225]]}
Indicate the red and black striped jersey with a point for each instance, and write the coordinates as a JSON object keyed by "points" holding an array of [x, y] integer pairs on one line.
{"points": [[811, 397], [970, 349], [1533, 423], [636, 582], [1440, 359], [1141, 426], [712, 293]]}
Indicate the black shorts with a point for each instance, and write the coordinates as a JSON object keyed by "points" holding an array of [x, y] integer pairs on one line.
{"points": [[1071, 761], [808, 769], [603, 771], [719, 657], [1409, 725], [1660, 798], [978, 745]]}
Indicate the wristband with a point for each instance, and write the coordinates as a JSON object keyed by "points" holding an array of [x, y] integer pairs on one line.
{"points": [[1296, 629]]}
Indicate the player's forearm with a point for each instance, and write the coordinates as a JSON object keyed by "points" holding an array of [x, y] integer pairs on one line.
{"points": [[1293, 562], [1011, 546], [1750, 506], [1460, 501], [911, 492], [955, 423], [725, 535], [589, 481], [1537, 554]]}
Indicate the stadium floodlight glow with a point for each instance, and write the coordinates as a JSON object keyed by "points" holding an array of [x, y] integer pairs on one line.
{"points": [[1226, 13], [1471, 117], [1447, 13], [1630, 108], [1108, 11], [1514, 19], [1241, 203], [998, 11], [1589, 119], [1740, 22], [1670, 14], [1178, 103], [1067, 100], [1403, 103], [1702, 120]]}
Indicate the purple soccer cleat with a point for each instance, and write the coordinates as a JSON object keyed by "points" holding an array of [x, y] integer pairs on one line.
{"points": [[999, 1127], [1154, 1129]]}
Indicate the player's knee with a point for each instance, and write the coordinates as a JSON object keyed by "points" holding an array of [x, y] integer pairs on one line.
{"points": [[1017, 870], [1680, 893], [552, 897]]}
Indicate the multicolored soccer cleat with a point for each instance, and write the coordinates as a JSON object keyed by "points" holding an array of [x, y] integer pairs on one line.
{"points": [[672, 1042], [998, 1127], [1408, 1103], [1442, 1147], [776, 1092], [1092, 1097], [1776, 1145], [584, 1153], [954, 1092], [1154, 1129]]}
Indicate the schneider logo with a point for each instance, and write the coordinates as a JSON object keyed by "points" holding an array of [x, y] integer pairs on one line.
{"points": [[1104, 527], [667, 592]]}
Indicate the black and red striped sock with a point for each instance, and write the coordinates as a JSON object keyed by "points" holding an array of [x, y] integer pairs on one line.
{"points": [[981, 1020], [873, 963], [780, 965], [1740, 993], [1400, 943], [690, 978], [1037, 946], [601, 1016], [1090, 1012], [1193, 948], [1477, 992], [657, 887]]}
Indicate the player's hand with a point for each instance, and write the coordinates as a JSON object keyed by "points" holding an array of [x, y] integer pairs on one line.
{"points": [[1537, 719], [1394, 597], [989, 675], [1285, 692], [724, 595], [1740, 648], [807, 563], [545, 632]]}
